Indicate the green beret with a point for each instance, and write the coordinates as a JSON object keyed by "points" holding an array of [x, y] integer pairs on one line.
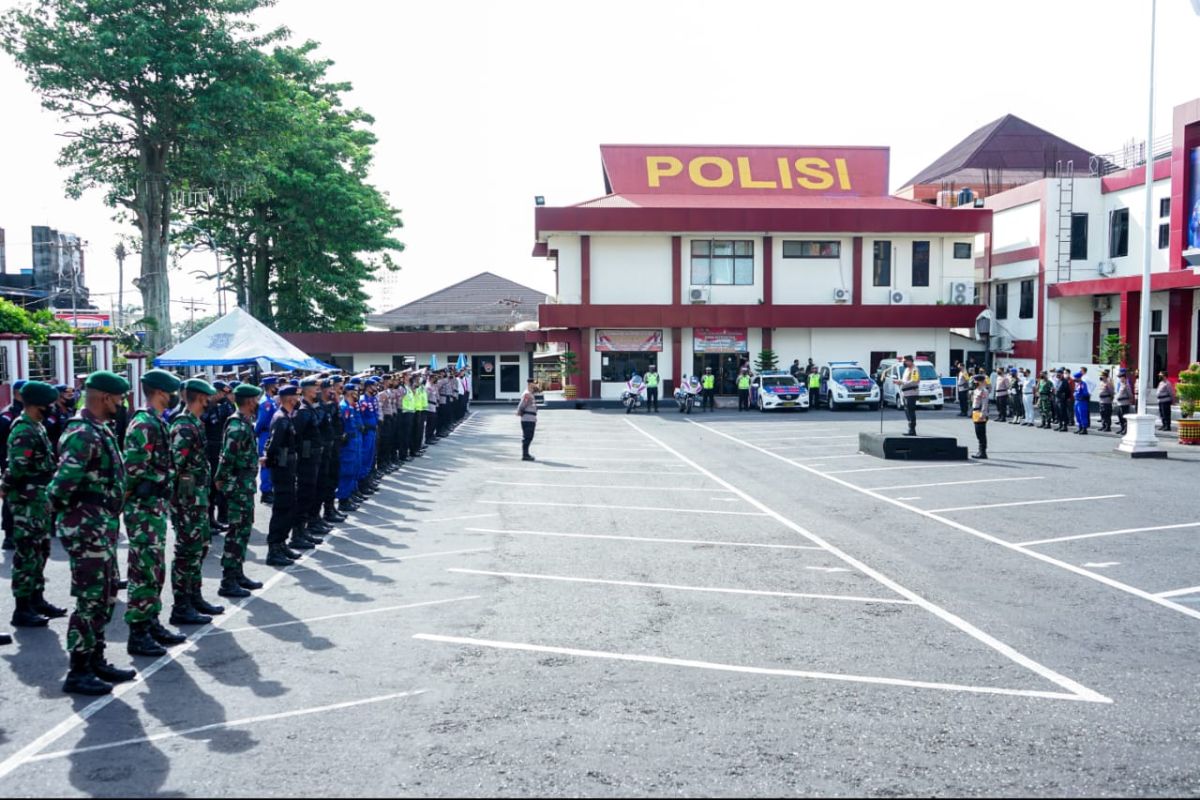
{"points": [[199, 385], [36, 393], [245, 390], [160, 379], [105, 381]]}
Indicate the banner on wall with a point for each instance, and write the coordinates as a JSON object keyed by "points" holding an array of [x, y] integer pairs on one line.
{"points": [[629, 341], [720, 340], [1191, 214], [80, 319]]}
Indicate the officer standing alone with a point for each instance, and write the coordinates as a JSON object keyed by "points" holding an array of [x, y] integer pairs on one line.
{"points": [[708, 386], [652, 389], [527, 412], [910, 387], [743, 389], [979, 415]]}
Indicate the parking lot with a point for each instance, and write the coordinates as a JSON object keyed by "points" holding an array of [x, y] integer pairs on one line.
{"points": [[719, 603]]}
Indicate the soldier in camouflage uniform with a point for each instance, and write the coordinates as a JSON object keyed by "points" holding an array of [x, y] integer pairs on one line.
{"points": [[87, 493], [236, 471], [30, 467], [189, 507], [149, 481]]}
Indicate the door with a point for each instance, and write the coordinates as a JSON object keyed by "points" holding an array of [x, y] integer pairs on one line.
{"points": [[1158, 357], [725, 367], [483, 377]]}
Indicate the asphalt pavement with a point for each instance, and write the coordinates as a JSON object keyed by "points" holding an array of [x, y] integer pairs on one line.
{"points": [[713, 604]]}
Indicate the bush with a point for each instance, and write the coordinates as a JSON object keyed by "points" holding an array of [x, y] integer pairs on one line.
{"points": [[1188, 390]]}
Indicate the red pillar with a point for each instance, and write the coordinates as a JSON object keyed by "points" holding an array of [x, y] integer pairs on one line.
{"points": [[676, 271], [768, 274], [1179, 332], [856, 272], [585, 363], [585, 269], [1130, 312]]}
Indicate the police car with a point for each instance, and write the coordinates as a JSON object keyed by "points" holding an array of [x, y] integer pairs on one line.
{"points": [[778, 390], [929, 394], [845, 384]]}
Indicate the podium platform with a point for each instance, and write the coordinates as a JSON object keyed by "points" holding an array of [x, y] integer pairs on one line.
{"points": [[911, 448]]}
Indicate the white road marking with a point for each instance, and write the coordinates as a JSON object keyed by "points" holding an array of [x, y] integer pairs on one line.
{"points": [[227, 724], [252, 628], [829, 569], [908, 498], [787, 673], [955, 465], [1108, 533], [953, 619], [680, 587], [605, 486], [1101, 564], [672, 472], [362, 562], [951, 483], [629, 459], [621, 508], [455, 519], [987, 537], [654, 539], [1024, 503], [1180, 592]]}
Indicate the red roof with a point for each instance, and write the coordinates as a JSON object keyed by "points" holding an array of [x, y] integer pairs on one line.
{"points": [[774, 200]]}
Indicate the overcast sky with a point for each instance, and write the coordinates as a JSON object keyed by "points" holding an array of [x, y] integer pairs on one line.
{"points": [[480, 106]]}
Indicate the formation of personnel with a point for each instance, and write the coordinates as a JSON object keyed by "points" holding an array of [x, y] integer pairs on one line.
{"points": [[192, 454]]}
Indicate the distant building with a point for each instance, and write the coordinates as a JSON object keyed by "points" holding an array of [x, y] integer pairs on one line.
{"points": [[484, 302], [55, 278]]}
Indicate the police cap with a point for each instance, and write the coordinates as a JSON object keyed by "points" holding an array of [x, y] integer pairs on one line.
{"points": [[287, 390]]}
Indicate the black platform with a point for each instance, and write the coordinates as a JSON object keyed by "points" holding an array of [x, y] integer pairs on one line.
{"points": [[911, 448]]}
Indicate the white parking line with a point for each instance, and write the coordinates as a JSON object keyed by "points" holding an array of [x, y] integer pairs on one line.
{"points": [[786, 673], [671, 471], [227, 724], [363, 562], [1179, 592], [1108, 533], [1024, 503], [950, 483], [653, 539], [252, 628], [682, 588], [955, 465], [608, 486], [454, 519], [622, 508]]}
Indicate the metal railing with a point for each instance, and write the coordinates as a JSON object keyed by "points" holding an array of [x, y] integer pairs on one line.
{"points": [[85, 359], [42, 363], [1132, 154], [4, 376]]}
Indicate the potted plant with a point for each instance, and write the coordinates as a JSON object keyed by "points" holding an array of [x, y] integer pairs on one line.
{"points": [[569, 363], [1188, 390]]}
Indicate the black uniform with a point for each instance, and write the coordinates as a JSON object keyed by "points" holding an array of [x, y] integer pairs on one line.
{"points": [[307, 423], [331, 441], [281, 453], [55, 422], [214, 418], [1063, 399]]}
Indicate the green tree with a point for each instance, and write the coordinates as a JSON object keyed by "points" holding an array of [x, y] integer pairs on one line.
{"points": [[142, 84], [767, 360]]}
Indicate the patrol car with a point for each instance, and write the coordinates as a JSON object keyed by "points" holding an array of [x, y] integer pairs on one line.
{"points": [[845, 384], [778, 390], [928, 396]]}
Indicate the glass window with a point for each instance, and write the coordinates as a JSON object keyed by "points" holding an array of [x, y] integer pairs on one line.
{"points": [[1164, 236], [850, 374], [721, 271], [743, 271], [812, 249], [701, 247], [619, 367], [510, 377], [1156, 321], [1001, 292], [920, 263], [927, 372], [1079, 234], [772, 380], [723, 262], [962, 249], [1118, 233], [1026, 311], [700, 272], [1164, 207], [881, 272]]}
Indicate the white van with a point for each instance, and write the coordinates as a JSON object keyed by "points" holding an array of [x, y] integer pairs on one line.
{"points": [[928, 396]]}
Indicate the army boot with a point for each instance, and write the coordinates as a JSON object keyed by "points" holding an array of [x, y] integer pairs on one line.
{"points": [[46, 609], [346, 506], [106, 671], [141, 642], [81, 679], [332, 514], [25, 617], [184, 614], [203, 606], [164, 636], [5, 638], [277, 556], [230, 586], [247, 583]]}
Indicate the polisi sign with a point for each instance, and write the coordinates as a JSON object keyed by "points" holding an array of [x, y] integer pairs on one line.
{"points": [[694, 169]]}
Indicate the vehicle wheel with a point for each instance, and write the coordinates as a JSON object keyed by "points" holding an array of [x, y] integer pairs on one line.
{"points": [[832, 405]]}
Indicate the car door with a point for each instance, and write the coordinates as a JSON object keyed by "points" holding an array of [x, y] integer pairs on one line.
{"points": [[824, 391]]}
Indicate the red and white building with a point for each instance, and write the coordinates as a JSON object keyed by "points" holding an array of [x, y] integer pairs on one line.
{"points": [[705, 255]]}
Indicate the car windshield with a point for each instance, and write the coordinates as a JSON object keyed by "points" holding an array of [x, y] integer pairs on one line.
{"points": [[781, 381], [851, 374], [928, 373]]}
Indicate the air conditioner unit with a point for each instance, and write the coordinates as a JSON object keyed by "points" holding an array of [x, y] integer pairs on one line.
{"points": [[699, 294], [960, 293], [1102, 303], [1002, 344], [841, 295], [1106, 268], [898, 298]]}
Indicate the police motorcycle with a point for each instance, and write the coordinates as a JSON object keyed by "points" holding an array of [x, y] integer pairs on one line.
{"points": [[635, 393], [688, 394]]}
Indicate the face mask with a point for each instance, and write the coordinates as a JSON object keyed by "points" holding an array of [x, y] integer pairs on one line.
{"points": [[173, 400]]}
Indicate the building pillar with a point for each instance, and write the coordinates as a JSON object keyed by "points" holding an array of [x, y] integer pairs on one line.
{"points": [[676, 357], [676, 270], [137, 368], [585, 269], [1130, 312], [104, 351], [856, 249], [63, 347], [768, 274], [16, 356], [1179, 332]]}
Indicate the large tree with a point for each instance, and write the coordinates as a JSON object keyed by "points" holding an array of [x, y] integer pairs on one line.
{"points": [[143, 83]]}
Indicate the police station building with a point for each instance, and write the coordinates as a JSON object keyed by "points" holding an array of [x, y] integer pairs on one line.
{"points": [[703, 256]]}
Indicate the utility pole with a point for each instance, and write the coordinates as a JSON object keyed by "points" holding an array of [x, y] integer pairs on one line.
{"points": [[119, 252]]}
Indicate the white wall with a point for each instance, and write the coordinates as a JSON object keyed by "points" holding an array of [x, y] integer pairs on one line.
{"points": [[1016, 228], [724, 295], [630, 270], [943, 269], [570, 287], [853, 344], [811, 281]]}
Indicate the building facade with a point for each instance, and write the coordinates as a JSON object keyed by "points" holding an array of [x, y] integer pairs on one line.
{"points": [[705, 256]]}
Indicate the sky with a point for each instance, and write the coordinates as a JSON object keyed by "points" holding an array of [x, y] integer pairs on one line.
{"points": [[480, 106]]}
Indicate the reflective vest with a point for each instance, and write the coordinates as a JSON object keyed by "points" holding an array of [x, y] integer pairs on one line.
{"points": [[408, 402], [422, 400], [652, 380], [814, 381], [708, 381], [743, 382]]}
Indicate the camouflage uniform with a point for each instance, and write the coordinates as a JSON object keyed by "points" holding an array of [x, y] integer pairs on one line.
{"points": [[149, 480], [235, 475], [88, 492], [189, 506], [30, 467]]}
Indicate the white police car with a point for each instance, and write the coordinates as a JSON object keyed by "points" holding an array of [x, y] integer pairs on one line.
{"points": [[778, 390], [844, 384], [929, 393]]}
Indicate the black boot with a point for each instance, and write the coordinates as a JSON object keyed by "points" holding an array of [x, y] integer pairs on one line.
{"points": [[141, 642], [290, 553], [319, 526], [268, 498], [347, 506], [8, 542], [982, 454], [184, 614], [301, 543], [106, 671], [277, 556], [230, 586], [163, 636], [81, 679], [247, 583], [46, 609], [333, 515], [5, 638], [25, 617], [203, 606]]}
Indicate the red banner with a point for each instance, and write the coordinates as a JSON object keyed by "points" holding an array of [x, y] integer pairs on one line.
{"points": [[698, 169], [720, 340], [629, 341]]}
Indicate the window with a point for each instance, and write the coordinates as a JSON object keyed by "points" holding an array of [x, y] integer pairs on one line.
{"points": [[619, 367], [812, 249], [1156, 321], [975, 297], [1118, 233], [1079, 234], [920, 263], [1164, 207], [962, 249], [1164, 236], [882, 267], [1001, 291], [722, 262], [1026, 311]]}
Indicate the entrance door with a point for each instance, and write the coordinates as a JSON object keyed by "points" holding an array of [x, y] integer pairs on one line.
{"points": [[1158, 357], [725, 367], [483, 377]]}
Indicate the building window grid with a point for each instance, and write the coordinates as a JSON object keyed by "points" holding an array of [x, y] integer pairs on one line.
{"points": [[1164, 236], [1079, 237], [722, 262], [811, 248], [881, 267], [962, 249], [1026, 310], [1001, 293], [1118, 233], [920, 263], [1164, 207]]}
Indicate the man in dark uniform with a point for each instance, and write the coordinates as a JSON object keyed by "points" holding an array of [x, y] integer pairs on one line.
{"points": [[308, 526], [331, 441], [58, 414], [280, 455], [219, 409], [7, 418], [262, 429], [1063, 395]]}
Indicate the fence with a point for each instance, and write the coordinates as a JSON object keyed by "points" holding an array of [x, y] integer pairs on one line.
{"points": [[42, 363], [85, 360], [4, 377]]}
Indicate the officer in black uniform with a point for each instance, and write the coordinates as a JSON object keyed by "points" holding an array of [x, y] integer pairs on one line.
{"points": [[331, 442], [214, 431], [280, 454], [308, 527]]}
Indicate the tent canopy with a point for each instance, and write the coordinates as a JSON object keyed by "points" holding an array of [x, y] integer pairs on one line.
{"points": [[237, 338]]}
